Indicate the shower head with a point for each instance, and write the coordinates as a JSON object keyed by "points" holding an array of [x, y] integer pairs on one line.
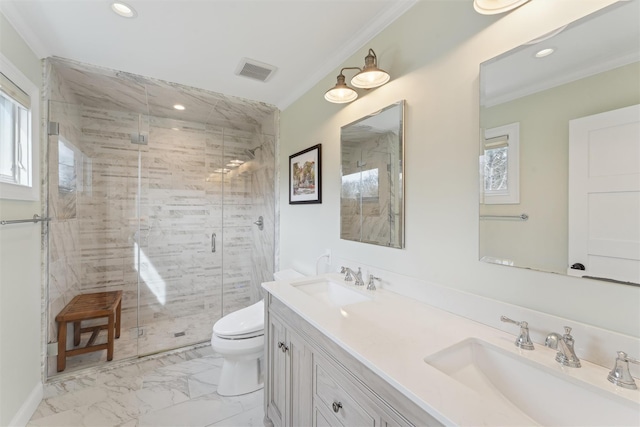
{"points": [[252, 152]]}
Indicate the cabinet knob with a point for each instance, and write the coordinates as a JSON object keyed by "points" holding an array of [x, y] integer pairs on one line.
{"points": [[336, 406]]}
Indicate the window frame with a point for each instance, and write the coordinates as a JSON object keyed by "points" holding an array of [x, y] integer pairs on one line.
{"points": [[512, 194], [10, 191]]}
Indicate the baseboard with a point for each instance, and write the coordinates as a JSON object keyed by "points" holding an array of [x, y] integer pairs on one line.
{"points": [[24, 414]]}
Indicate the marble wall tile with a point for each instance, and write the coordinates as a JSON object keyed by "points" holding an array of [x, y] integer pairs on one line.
{"points": [[100, 87]]}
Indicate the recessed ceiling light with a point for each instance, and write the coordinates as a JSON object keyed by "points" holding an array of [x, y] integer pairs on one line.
{"points": [[545, 52], [175, 128], [179, 107], [123, 9]]}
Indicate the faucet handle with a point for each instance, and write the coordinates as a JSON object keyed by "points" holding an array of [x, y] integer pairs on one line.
{"points": [[359, 281], [372, 286], [347, 274], [620, 374], [567, 337], [523, 340]]}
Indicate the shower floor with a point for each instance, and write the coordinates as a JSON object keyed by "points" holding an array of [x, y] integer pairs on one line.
{"points": [[155, 338]]}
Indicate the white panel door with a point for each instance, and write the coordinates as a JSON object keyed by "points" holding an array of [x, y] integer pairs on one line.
{"points": [[604, 195]]}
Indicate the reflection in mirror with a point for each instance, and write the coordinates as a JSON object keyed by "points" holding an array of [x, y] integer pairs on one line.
{"points": [[372, 197], [575, 120]]}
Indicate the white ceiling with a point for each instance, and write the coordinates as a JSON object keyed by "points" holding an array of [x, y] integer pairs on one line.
{"points": [[599, 42], [200, 43]]}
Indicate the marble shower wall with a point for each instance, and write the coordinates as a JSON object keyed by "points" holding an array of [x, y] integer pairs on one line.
{"points": [[148, 212]]}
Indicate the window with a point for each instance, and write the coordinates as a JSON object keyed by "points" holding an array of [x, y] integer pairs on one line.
{"points": [[499, 165], [363, 184], [19, 147]]}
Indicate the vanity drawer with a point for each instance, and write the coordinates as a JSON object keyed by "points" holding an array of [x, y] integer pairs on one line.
{"points": [[319, 420], [339, 398]]}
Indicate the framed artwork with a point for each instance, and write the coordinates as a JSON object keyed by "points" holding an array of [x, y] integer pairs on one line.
{"points": [[305, 176]]}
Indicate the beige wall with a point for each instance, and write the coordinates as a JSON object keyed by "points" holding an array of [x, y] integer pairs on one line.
{"points": [[544, 159], [20, 313], [433, 53]]}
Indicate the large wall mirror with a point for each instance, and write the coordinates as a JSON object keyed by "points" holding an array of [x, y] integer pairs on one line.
{"points": [[372, 197], [560, 150]]}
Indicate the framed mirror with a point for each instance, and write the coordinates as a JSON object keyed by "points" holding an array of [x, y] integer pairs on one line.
{"points": [[372, 166], [560, 150]]}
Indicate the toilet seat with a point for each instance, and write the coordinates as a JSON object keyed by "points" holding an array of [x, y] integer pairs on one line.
{"points": [[242, 324], [241, 336], [248, 348]]}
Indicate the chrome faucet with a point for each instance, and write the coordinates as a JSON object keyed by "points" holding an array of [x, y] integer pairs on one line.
{"points": [[522, 341], [620, 374], [349, 274], [371, 286], [564, 344]]}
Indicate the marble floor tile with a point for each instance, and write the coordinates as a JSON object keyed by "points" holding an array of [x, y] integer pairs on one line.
{"points": [[201, 411], [251, 418], [174, 389], [205, 382]]}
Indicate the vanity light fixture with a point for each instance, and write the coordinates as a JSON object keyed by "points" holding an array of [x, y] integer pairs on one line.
{"points": [[123, 9], [371, 76], [368, 77], [493, 7], [341, 93], [179, 107], [544, 52]]}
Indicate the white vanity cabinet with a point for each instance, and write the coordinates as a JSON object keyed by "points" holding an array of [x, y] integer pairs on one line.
{"points": [[289, 364], [312, 381]]}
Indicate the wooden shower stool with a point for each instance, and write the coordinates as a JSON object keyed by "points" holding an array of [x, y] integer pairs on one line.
{"points": [[85, 307]]}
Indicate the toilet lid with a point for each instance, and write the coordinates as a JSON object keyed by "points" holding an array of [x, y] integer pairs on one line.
{"points": [[242, 322]]}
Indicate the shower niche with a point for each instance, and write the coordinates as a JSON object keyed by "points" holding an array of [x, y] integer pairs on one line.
{"points": [[157, 202]]}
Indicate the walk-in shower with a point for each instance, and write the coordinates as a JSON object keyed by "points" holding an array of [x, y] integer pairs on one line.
{"points": [[156, 202]]}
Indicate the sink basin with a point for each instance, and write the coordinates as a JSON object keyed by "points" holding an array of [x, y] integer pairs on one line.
{"points": [[332, 293], [548, 396]]}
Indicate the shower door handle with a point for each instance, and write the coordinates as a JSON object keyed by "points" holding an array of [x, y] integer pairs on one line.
{"points": [[213, 242], [260, 223]]}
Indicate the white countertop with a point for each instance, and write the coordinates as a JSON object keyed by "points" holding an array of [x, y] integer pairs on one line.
{"points": [[392, 334]]}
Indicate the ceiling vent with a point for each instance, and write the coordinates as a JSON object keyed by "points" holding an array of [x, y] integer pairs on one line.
{"points": [[255, 69]]}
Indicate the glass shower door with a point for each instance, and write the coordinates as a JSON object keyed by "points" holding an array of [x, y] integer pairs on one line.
{"points": [[180, 256]]}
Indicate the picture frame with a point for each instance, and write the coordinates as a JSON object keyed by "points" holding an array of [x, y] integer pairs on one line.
{"points": [[305, 176]]}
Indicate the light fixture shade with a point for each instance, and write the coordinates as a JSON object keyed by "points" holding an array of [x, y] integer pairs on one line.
{"points": [[371, 76], [493, 7], [340, 93]]}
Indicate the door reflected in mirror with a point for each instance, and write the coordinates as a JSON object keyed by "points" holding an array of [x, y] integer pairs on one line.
{"points": [[577, 209], [372, 195]]}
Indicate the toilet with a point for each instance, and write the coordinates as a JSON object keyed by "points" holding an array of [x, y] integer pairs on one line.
{"points": [[239, 338]]}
